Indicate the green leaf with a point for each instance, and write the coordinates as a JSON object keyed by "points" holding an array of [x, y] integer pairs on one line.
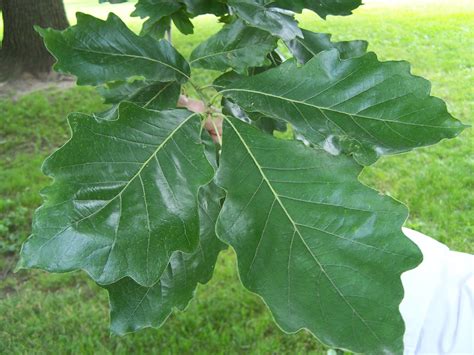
{"points": [[322, 7], [269, 125], [275, 59], [150, 95], [235, 46], [276, 21], [266, 124], [182, 22], [359, 105], [157, 29], [124, 196], [113, 1], [99, 51], [324, 251], [201, 7], [156, 9], [159, 12], [303, 49], [134, 307]]}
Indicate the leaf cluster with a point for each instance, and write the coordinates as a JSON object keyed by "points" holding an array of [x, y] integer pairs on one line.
{"points": [[143, 199]]}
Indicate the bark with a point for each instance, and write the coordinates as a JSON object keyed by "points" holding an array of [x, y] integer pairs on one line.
{"points": [[22, 48]]}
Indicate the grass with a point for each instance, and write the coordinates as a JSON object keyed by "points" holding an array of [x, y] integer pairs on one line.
{"points": [[45, 313]]}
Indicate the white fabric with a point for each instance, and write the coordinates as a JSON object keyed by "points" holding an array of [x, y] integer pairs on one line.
{"points": [[438, 307]]}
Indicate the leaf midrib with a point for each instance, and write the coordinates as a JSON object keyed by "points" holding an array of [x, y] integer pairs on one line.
{"points": [[215, 54], [119, 194], [295, 228], [130, 56], [332, 110]]}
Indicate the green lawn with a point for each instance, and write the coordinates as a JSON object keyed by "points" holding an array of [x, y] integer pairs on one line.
{"points": [[43, 313]]}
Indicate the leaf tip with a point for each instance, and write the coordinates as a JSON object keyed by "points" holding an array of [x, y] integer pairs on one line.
{"points": [[40, 30]]}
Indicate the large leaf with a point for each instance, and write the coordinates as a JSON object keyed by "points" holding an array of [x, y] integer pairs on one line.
{"points": [[135, 307], [360, 105], [124, 196], [99, 51], [324, 251], [303, 49], [261, 15], [235, 46], [322, 7], [150, 95], [266, 124]]}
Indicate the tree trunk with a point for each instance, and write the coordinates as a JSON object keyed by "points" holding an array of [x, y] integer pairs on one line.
{"points": [[22, 48]]}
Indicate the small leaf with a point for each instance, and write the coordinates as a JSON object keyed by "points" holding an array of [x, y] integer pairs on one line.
{"points": [[134, 307], [313, 43], [201, 7], [157, 29], [324, 251], [182, 22], [235, 46], [359, 105], [124, 196], [276, 21], [99, 51], [155, 10], [322, 7], [160, 12]]}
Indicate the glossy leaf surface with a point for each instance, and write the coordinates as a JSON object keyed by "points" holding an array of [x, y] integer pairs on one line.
{"points": [[99, 51], [236, 46], [124, 196], [200, 7], [150, 95], [322, 7], [135, 307], [312, 43], [266, 124], [262, 15], [324, 251], [135, 201], [359, 105]]}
